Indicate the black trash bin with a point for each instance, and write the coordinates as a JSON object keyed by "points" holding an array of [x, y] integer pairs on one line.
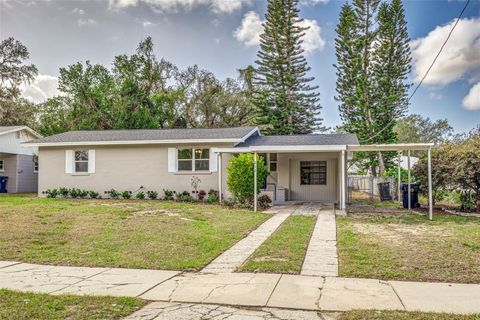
{"points": [[414, 188], [3, 184], [384, 190]]}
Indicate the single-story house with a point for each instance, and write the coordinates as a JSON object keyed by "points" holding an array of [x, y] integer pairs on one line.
{"points": [[302, 167], [309, 167], [18, 163]]}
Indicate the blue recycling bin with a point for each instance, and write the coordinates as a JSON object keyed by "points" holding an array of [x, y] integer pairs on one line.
{"points": [[3, 184], [414, 188]]}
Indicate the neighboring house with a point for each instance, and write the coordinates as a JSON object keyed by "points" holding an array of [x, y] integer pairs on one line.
{"points": [[302, 167], [18, 162]]}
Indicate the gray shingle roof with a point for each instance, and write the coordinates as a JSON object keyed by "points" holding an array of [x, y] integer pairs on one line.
{"points": [[306, 140], [147, 135]]}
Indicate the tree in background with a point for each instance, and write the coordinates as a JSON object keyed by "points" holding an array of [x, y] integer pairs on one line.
{"points": [[373, 60], [14, 109], [416, 129], [285, 102], [142, 92]]}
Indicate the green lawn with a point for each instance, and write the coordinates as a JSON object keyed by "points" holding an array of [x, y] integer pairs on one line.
{"points": [[16, 305], [409, 247], [402, 315], [285, 250], [119, 233]]}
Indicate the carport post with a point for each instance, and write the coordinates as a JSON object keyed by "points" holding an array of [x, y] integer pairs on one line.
{"points": [[255, 182], [343, 182], [399, 189], [409, 182], [219, 162], [430, 196]]}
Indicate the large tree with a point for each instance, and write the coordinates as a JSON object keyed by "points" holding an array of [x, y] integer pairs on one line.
{"points": [[373, 60], [14, 109], [285, 101]]}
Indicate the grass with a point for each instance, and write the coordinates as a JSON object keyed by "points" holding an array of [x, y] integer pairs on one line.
{"points": [[16, 305], [409, 247], [284, 250], [403, 315], [119, 233]]}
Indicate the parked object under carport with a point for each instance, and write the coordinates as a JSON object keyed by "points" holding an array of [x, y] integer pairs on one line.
{"points": [[414, 188]]}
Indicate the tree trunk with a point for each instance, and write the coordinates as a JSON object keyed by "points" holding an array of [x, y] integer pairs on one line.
{"points": [[381, 163]]}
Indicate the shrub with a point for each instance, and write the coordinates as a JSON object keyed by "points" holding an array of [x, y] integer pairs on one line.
{"points": [[184, 197], [52, 193], [64, 192], [140, 195], [214, 192], [82, 193], [93, 194], [74, 192], [240, 178], [168, 194], [126, 194], [230, 202], [201, 194], [195, 183], [212, 198], [264, 202], [114, 194], [152, 195]]}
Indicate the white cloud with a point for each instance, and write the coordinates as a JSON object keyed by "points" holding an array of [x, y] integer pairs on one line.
{"points": [[147, 24], [435, 95], [217, 6], [472, 99], [313, 2], [86, 22], [251, 28], [42, 88], [459, 58], [78, 11]]}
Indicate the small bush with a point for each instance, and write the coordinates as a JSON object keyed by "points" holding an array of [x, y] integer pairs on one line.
{"points": [[74, 193], [184, 197], [64, 192], [140, 195], [230, 202], [126, 194], [264, 202], [168, 194], [201, 194], [467, 201], [211, 191], [82, 194], [114, 194], [93, 194], [52, 193], [212, 198], [152, 195]]}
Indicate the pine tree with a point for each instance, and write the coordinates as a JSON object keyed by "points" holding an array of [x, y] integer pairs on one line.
{"points": [[372, 67], [284, 100]]}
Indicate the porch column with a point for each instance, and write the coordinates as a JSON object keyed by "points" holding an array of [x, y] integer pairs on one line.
{"points": [[220, 177], [409, 182], [343, 183], [399, 188], [430, 195], [255, 182]]}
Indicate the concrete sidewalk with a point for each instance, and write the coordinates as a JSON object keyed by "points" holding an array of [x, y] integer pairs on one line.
{"points": [[244, 289]]}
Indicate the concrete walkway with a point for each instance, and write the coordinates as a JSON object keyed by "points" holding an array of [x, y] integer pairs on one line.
{"points": [[234, 257], [244, 289], [321, 258]]}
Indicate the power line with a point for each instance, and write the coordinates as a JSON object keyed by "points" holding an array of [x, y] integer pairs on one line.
{"points": [[429, 68]]}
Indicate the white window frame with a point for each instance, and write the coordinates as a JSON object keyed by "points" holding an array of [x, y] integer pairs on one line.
{"points": [[82, 161], [270, 161], [2, 165], [193, 160], [35, 166]]}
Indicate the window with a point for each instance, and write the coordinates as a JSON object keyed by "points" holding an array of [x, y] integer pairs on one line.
{"points": [[313, 172], [193, 159], [81, 161], [35, 166], [273, 162], [17, 134], [2, 166]]}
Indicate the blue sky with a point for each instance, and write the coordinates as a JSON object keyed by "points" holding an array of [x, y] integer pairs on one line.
{"points": [[219, 35]]}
